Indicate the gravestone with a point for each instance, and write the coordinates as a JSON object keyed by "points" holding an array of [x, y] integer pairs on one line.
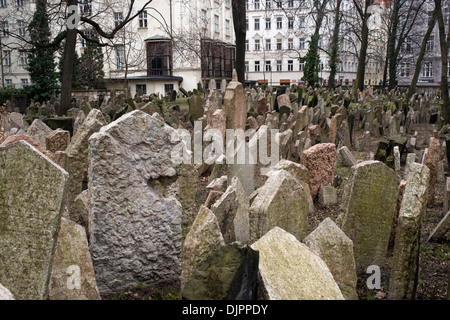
{"points": [[336, 250], [319, 160], [135, 224], [412, 211], [72, 257], [234, 104], [280, 202], [289, 270], [57, 140], [38, 131], [31, 205], [368, 208], [432, 161], [203, 239]]}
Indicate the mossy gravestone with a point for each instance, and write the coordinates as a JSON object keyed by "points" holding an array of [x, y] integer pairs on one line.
{"points": [[31, 203], [369, 202]]}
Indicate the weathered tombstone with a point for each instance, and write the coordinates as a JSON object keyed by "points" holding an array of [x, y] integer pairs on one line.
{"points": [[396, 159], [281, 202], [135, 224], [289, 270], [234, 104], [432, 161], [368, 208], [346, 157], [38, 131], [412, 211], [327, 195], [57, 140], [336, 250], [196, 108], [319, 160], [31, 205], [231, 273], [203, 239], [72, 257], [232, 212], [77, 163]]}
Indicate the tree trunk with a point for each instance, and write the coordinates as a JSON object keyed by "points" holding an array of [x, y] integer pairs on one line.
{"points": [[359, 83], [444, 52], [335, 45], [391, 51], [412, 87], [67, 67], [239, 21]]}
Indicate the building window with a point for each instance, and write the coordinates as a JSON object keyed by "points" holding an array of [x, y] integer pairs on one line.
{"points": [[279, 4], [268, 45], [141, 88], [408, 47], [268, 4], [227, 28], [279, 65], [120, 57], [85, 7], [290, 43], [159, 58], [302, 66], [8, 82], [5, 29], [279, 44], [247, 66], [19, 3], [268, 24], [290, 3], [203, 18], [247, 4], [2, 3], [256, 23], [168, 88], [256, 4], [21, 28], [279, 23], [290, 22], [404, 70], [24, 82], [23, 59], [227, 4], [257, 45], [118, 18], [268, 66], [290, 65], [7, 58], [302, 3], [301, 43], [302, 23], [257, 66], [143, 19], [247, 45], [430, 44], [216, 23], [246, 24], [427, 69]]}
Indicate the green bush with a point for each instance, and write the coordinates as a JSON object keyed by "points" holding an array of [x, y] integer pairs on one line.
{"points": [[7, 93]]}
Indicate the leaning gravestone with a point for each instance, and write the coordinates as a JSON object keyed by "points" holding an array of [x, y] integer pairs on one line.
{"points": [[72, 271], [280, 202], [135, 227], [368, 208], [31, 204], [412, 211], [77, 162], [289, 270], [336, 250], [38, 130]]}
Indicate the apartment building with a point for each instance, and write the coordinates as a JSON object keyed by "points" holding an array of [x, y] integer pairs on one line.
{"points": [[431, 69], [277, 38]]}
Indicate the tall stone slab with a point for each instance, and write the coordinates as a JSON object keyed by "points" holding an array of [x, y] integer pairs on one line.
{"points": [[232, 214], [280, 202], [31, 204], [367, 212], [203, 239], [319, 160], [135, 226], [234, 104], [72, 260], [289, 270], [77, 162], [432, 162], [336, 250], [38, 130], [412, 211]]}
